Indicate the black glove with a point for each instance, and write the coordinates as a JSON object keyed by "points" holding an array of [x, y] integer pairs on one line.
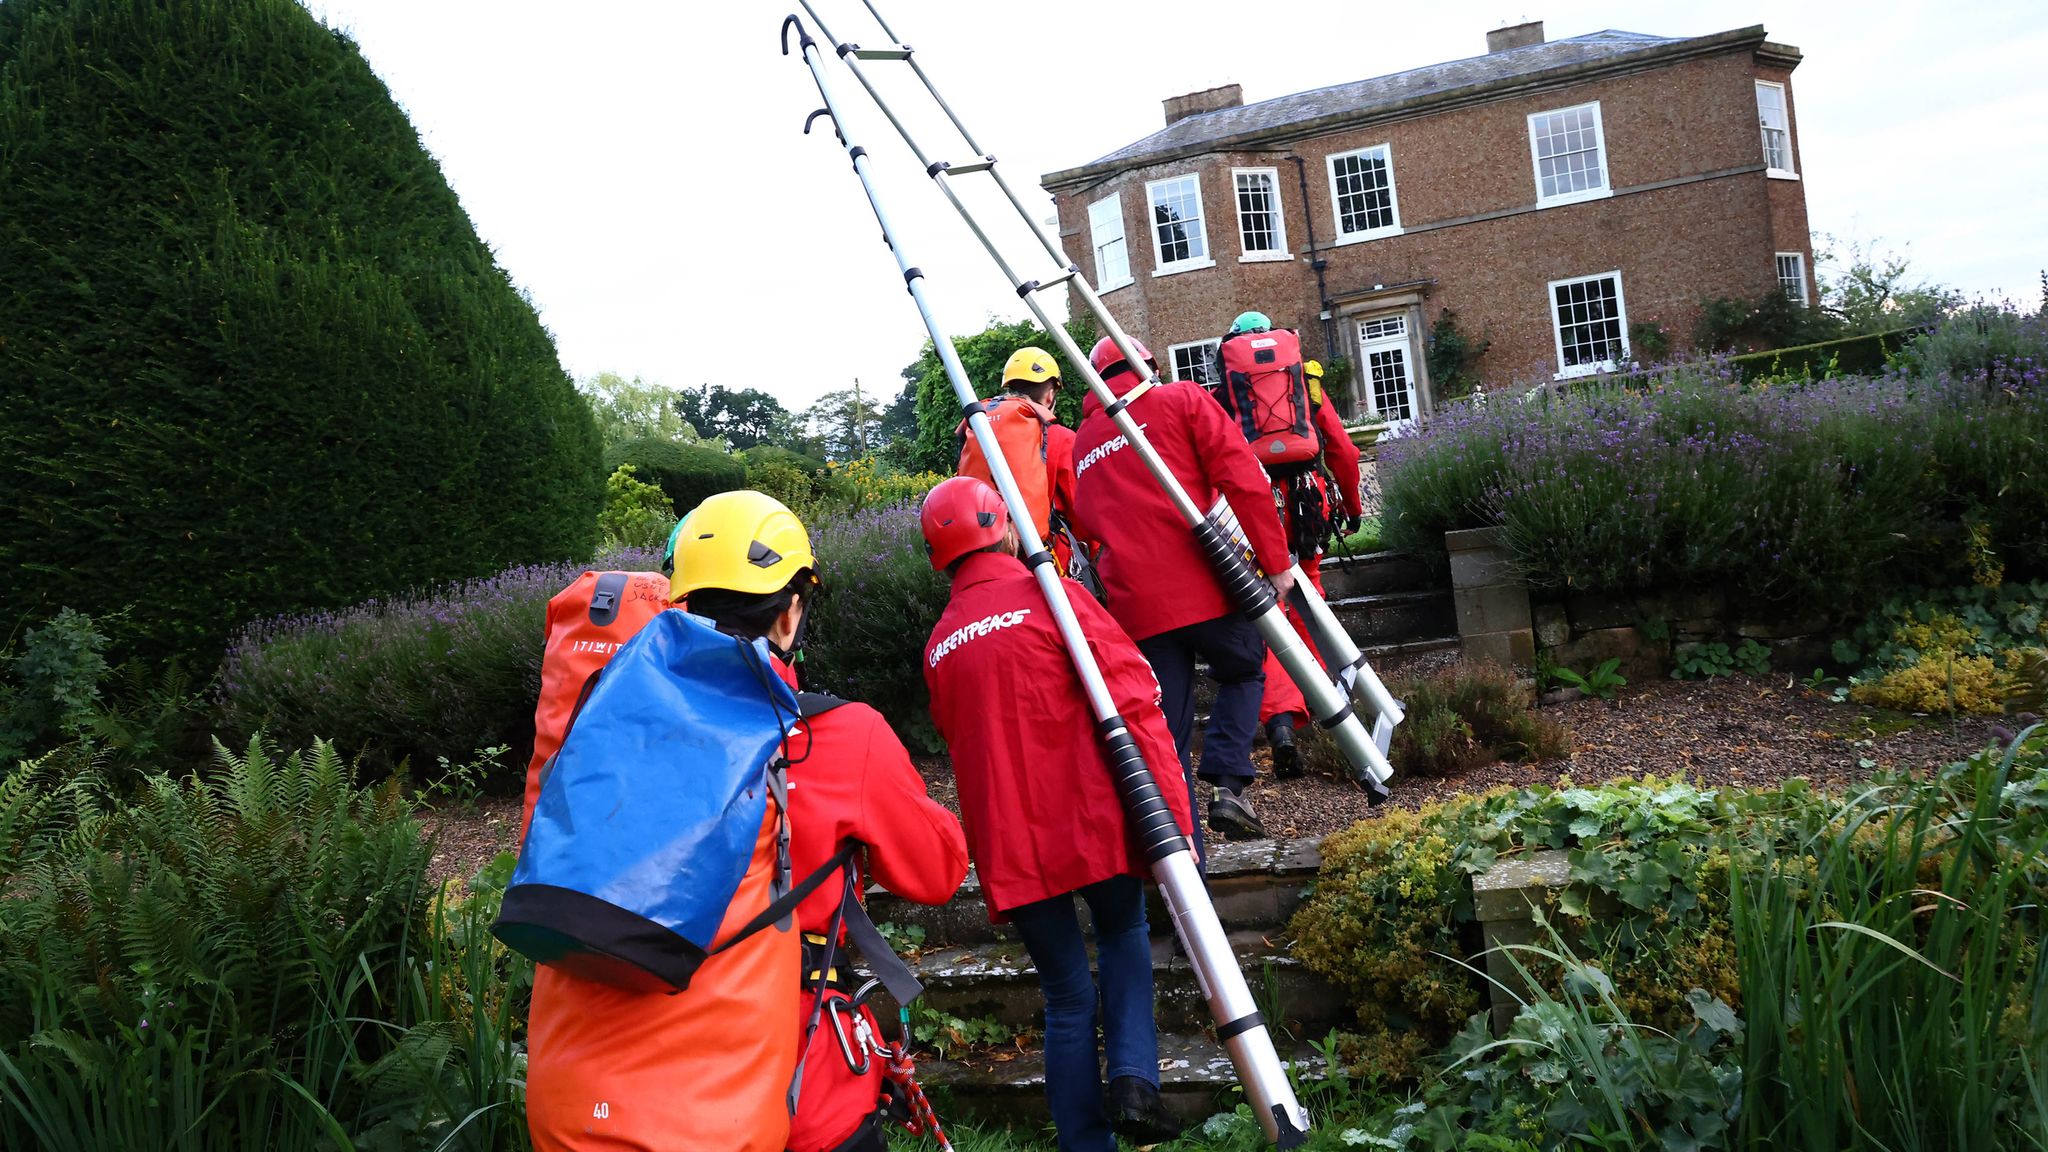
{"points": [[1343, 525]]}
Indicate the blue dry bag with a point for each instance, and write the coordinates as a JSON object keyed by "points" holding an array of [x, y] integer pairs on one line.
{"points": [[648, 816]]}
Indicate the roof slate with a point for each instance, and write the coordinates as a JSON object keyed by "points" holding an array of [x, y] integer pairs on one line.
{"points": [[1362, 96]]}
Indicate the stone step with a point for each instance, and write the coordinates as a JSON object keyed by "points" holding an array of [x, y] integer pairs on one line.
{"points": [[1195, 1078], [1255, 884], [1373, 572], [1396, 617], [997, 981]]}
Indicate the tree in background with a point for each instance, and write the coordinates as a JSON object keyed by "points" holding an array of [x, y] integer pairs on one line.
{"points": [[741, 417], [1870, 290], [634, 409], [256, 358], [846, 424], [982, 355]]}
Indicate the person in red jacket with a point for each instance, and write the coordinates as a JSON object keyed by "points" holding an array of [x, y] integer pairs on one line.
{"points": [[1282, 708], [1044, 822], [1038, 448], [674, 1072], [1160, 586], [851, 780]]}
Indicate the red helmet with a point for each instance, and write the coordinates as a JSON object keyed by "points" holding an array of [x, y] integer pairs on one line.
{"points": [[1106, 358], [959, 516]]}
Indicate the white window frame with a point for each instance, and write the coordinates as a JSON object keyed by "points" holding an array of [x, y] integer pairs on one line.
{"points": [[1097, 242], [1606, 188], [1799, 261], [1208, 357], [1385, 153], [1281, 251], [1201, 226], [1567, 372], [1790, 172]]}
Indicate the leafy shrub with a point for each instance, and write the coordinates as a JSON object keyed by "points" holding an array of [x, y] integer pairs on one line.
{"points": [[418, 677], [1391, 923], [864, 484], [1453, 357], [686, 472], [1773, 320], [786, 484], [1467, 715], [1945, 650], [774, 454], [53, 687], [262, 356], [635, 515], [879, 602], [249, 960], [1819, 496]]}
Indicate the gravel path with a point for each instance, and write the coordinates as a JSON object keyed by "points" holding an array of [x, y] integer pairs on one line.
{"points": [[1734, 731]]}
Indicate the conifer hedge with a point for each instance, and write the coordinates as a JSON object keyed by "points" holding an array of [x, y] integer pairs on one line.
{"points": [[255, 357]]}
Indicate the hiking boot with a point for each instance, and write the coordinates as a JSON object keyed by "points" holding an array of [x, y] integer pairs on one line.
{"points": [[1286, 757], [1137, 1114], [1231, 817]]}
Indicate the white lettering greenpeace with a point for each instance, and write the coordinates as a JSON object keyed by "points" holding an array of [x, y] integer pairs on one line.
{"points": [[975, 631], [1101, 450]]}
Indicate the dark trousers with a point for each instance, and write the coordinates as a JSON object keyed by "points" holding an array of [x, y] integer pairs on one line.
{"points": [[1073, 1070], [1236, 655]]}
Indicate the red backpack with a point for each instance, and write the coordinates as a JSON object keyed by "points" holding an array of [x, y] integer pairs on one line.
{"points": [[587, 622], [1023, 429], [1264, 391]]}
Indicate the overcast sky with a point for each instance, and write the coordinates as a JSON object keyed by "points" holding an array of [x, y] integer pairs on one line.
{"points": [[638, 165]]}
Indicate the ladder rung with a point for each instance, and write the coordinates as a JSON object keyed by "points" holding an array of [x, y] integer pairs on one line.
{"points": [[881, 53], [977, 166], [1030, 286]]}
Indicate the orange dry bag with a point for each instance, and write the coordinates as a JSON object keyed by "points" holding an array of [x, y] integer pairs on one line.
{"points": [[1022, 428], [587, 622]]}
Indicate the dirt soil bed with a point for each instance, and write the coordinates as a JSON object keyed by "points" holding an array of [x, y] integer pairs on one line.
{"points": [[1735, 731]]}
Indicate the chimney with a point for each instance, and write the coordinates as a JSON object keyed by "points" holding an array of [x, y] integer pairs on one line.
{"points": [[1515, 36], [1207, 100]]}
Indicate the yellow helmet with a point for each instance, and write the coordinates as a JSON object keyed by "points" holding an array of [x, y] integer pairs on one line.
{"points": [[1029, 365], [739, 541], [1312, 368]]}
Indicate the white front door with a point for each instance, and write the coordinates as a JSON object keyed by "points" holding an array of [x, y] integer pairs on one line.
{"points": [[1389, 378]]}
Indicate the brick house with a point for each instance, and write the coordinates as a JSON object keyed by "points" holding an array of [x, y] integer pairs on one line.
{"points": [[1549, 194]]}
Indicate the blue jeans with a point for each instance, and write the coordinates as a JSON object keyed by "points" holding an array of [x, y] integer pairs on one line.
{"points": [[1237, 659], [1052, 934]]}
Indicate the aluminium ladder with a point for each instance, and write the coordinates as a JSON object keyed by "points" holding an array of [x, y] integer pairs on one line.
{"points": [[1328, 690], [1240, 1027]]}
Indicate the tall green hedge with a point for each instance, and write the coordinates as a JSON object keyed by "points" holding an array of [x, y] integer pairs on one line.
{"points": [[256, 359]]}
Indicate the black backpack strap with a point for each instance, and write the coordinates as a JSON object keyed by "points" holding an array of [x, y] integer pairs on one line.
{"points": [[809, 704], [786, 903]]}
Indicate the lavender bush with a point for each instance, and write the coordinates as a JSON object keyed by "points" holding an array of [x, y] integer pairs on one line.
{"points": [[879, 603], [1822, 494], [448, 672], [441, 673]]}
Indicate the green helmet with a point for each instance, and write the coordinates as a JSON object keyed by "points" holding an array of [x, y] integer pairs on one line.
{"points": [[1250, 322]]}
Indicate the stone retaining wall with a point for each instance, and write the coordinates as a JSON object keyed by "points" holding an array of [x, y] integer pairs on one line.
{"points": [[1648, 632]]}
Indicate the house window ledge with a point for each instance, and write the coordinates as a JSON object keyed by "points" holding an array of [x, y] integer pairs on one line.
{"points": [[1183, 266]]}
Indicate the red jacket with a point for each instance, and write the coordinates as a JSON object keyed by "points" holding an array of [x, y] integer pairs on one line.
{"points": [[1041, 810], [1341, 455], [850, 779], [1156, 576]]}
